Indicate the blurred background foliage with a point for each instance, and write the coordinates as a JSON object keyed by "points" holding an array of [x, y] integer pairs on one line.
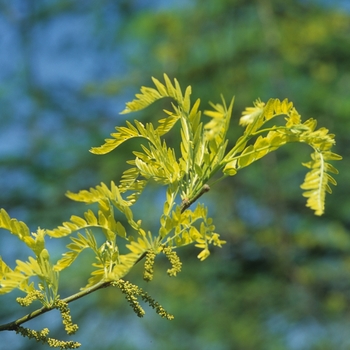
{"points": [[66, 69]]}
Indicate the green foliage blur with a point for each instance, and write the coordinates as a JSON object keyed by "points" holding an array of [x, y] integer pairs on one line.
{"points": [[283, 280]]}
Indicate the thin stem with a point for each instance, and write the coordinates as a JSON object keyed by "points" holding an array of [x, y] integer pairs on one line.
{"points": [[275, 128], [230, 154], [224, 176]]}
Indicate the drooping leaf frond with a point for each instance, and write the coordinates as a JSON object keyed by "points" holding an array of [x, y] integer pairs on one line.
{"points": [[9, 285], [150, 95], [100, 192], [17, 228], [19, 277], [105, 221], [107, 256], [166, 124], [103, 195], [144, 99], [132, 181], [78, 244], [317, 181], [124, 133], [35, 240]]}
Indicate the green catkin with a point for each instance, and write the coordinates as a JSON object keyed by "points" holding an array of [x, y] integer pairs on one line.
{"points": [[62, 306], [30, 297], [155, 305], [174, 260], [131, 292], [41, 336], [148, 267]]}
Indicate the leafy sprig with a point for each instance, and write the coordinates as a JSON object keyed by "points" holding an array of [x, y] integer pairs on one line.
{"points": [[189, 172]]}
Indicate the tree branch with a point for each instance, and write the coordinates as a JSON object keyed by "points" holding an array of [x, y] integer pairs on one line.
{"points": [[186, 203], [12, 326]]}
